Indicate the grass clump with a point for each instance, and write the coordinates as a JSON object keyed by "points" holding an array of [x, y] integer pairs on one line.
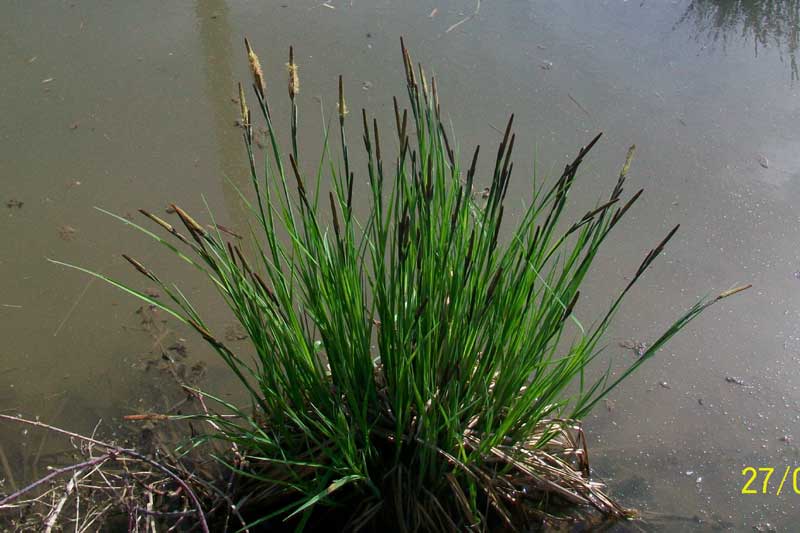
{"points": [[418, 368]]}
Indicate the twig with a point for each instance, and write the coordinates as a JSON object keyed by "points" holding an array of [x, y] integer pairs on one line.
{"points": [[579, 106], [224, 495], [7, 468], [75, 304], [50, 521], [149, 512], [52, 475], [465, 19], [56, 415], [495, 128], [97, 513], [163, 514], [113, 451], [77, 510]]}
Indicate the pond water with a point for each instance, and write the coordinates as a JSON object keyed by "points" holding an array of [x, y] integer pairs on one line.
{"points": [[127, 104]]}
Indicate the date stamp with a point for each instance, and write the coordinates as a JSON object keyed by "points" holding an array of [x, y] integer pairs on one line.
{"points": [[764, 480]]}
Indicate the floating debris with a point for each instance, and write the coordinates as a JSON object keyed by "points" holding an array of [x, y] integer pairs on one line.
{"points": [[664, 384], [546, 65], [14, 203], [762, 160], [579, 105], [366, 85], [765, 527], [466, 19], [785, 439], [74, 125], [734, 380], [792, 344]]}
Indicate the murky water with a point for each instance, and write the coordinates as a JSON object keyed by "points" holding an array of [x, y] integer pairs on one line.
{"points": [[126, 105]]}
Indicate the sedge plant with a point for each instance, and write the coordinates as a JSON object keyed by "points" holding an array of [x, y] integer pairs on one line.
{"points": [[416, 366]]}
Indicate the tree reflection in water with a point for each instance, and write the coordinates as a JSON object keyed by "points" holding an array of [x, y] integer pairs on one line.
{"points": [[768, 23]]}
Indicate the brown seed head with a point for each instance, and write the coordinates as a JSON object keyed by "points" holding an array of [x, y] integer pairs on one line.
{"points": [[140, 267], [204, 332], [190, 223], [424, 81], [294, 80], [731, 292], [255, 68], [342, 105]]}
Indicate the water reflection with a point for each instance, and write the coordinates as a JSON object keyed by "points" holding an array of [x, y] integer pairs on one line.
{"points": [[216, 36], [767, 23]]}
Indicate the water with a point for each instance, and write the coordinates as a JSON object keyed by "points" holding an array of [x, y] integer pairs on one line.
{"points": [[127, 105]]}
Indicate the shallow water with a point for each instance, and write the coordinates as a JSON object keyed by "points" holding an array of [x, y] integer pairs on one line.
{"points": [[127, 105]]}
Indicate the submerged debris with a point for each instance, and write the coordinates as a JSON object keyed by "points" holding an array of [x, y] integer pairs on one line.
{"points": [[179, 347], [235, 332], [66, 232], [637, 347], [152, 292]]}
